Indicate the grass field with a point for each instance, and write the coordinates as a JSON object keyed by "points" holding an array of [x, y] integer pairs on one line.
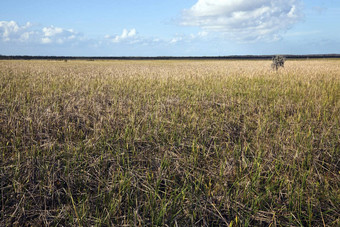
{"points": [[170, 143]]}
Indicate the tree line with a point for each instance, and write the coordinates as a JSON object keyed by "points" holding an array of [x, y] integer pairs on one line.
{"points": [[230, 57]]}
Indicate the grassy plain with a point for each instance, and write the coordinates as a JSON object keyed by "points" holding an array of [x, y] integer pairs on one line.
{"points": [[170, 143]]}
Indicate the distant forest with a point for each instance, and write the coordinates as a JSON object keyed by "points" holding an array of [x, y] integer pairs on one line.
{"points": [[231, 57]]}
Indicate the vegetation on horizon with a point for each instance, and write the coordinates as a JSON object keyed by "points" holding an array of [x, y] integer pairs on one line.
{"points": [[177, 143]]}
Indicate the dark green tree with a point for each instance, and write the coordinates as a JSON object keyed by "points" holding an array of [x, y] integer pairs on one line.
{"points": [[278, 61]]}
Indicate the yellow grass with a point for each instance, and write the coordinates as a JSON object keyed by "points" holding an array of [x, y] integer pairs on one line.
{"points": [[173, 142]]}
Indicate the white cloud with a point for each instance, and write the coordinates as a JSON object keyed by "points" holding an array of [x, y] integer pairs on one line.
{"points": [[131, 37], [203, 33], [244, 19], [126, 35], [199, 35], [176, 40], [52, 31], [26, 36], [10, 30], [53, 34], [46, 40]]}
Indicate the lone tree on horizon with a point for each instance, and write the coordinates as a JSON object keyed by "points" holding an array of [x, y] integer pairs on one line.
{"points": [[278, 61]]}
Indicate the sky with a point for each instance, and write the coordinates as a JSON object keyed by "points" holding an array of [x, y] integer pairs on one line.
{"points": [[168, 27]]}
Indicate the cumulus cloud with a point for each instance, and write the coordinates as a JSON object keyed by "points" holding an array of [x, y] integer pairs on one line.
{"points": [[46, 40], [11, 31], [175, 40], [53, 34], [52, 31], [131, 37], [244, 19], [127, 35]]}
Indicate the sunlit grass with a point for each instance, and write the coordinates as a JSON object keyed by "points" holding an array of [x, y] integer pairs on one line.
{"points": [[170, 143]]}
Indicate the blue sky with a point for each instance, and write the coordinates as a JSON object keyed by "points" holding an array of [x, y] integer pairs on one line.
{"points": [[168, 27]]}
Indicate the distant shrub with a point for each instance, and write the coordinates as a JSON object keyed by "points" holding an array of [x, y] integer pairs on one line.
{"points": [[278, 61]]}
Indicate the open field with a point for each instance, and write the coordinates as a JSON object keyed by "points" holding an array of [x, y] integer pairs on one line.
{"points": [[177, 143]]}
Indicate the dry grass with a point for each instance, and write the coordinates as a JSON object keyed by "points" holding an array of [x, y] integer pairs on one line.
{"points": [[169, 143]]}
